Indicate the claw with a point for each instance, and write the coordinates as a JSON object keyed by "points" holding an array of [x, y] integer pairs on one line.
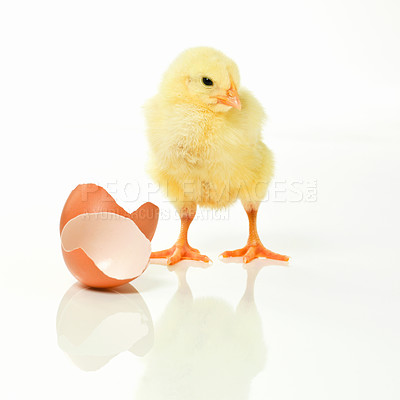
{"points": [[252, 251], [180, 252]]}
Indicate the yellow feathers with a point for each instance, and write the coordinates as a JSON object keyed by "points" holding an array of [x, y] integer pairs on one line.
{"points": [[183, 79], [203, 150]]}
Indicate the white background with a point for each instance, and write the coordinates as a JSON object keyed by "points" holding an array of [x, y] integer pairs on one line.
{"points": [[73, 78]]}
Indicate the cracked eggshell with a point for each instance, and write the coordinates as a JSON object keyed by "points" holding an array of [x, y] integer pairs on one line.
{"points": [[103, 245]]}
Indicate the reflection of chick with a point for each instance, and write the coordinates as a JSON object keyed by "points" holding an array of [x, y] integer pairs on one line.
{"points": [[203, 349], [206, 148]]}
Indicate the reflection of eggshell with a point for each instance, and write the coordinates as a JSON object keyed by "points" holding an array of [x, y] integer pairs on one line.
{"points": [[102, 244], [94, 326]]}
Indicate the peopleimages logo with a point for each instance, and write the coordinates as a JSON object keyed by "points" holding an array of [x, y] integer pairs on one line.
{"points": [[293, 191], [279, 191]]}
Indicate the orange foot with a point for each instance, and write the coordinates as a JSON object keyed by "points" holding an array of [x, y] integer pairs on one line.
{"points": [[252, 251], [180, 252]]}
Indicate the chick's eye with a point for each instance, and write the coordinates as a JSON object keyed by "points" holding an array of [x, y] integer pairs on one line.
{"points": [[207, 81]]}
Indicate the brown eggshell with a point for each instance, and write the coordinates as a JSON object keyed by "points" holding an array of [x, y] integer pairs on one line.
{"points": [[85, 270], [83, 208], [91, 198]]}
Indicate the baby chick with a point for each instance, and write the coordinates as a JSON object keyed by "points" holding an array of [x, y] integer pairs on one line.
{"points": [[206, 149]]}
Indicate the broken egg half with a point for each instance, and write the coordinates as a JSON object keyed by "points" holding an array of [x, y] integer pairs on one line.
{"points": [[103, 245]]}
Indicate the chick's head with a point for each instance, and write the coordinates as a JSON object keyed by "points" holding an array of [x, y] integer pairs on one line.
{"points": [[203, 76]]}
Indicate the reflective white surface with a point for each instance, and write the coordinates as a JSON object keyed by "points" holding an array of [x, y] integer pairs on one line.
{"points": [[326, 327], [311, 330], [93, 326]]}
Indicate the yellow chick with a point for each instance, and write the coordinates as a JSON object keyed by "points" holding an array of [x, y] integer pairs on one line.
{"points": [[206, 150]]}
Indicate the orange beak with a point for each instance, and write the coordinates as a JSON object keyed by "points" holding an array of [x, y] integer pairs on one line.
{"points": [[232, 97]]}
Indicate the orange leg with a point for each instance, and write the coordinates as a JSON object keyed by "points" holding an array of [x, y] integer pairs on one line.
{"points": [[181, 250], [254, 248]]}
